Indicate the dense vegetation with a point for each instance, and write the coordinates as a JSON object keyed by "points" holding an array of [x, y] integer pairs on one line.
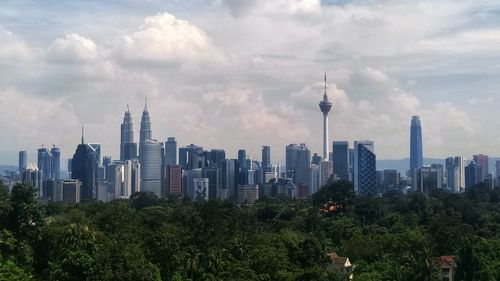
{"points": [[146, 238]]}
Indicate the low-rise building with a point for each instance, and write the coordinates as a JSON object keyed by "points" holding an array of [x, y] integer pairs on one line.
{"points": [[341, 265]]}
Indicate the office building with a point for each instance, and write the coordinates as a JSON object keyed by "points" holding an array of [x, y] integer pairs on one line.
{"points": [[45, 163], [472, 174], [200, 189], [483, 162], [316, 159], [340, 159], [497, 167], [151, 166], [71, 191], [55, 165], [455, 174], [215, 157], [248, 194], [171, 151], [266, 157], [365, 170], [229, 175], [191, 157], [429, 178], [416, 151], [174, 180], [325, 172], [128, 149], [84, 167], [213, 175], [298, 163], [33, 177], [391, 180], [23, 161]]}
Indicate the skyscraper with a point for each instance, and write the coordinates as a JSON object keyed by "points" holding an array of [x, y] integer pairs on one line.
{"points": [[151, 166], [365, 169], [341, 160], [45, 163], [266, 157], [191, 157], [171, 151], [455, 174], [23, 161], [145, 131], [215, 157], [55, 169], [127, 138], [298, 163], [472, 174], [325, 105], [84, 167], [242, 157], [416, 152], [482, 161]]}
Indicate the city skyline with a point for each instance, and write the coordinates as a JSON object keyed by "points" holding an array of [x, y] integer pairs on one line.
{"points": [[61, 73]]}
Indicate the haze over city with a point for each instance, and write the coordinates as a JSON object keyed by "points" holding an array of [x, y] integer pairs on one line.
{"points": [[242, 74]]}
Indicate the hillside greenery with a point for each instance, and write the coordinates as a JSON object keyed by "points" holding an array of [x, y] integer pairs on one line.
{"points": [[146, 238]]}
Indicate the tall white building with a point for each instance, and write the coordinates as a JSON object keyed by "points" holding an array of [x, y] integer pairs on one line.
{"points": [[455, 174], [151, 166]]}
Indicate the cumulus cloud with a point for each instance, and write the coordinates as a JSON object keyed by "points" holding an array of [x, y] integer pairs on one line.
{"points": [[14, 49], [73, 48], [164, 37]]}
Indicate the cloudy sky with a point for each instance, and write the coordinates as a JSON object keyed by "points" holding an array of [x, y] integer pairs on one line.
{"points": [[241, 74]]}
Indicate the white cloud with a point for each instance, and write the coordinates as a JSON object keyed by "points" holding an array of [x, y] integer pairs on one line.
{"points": [[73, 48], [163, 37], [14, 49]]}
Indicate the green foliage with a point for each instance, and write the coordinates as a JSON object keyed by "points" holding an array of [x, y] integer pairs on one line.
{"points": [[147, 238]]}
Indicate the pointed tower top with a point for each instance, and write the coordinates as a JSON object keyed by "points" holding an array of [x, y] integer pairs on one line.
{"points": [[128, 109], [82, 135], [325, 95], [145, 103]]}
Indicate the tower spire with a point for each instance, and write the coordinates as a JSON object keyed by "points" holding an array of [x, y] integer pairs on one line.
{"points": [[146, 103], [82, 135], [325, 95]]}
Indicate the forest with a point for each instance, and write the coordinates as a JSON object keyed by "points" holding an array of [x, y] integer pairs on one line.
{"points": [[148, 238]]}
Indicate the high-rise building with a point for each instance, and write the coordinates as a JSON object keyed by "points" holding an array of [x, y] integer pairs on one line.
{"points": [[316, 159], [472, 174], [298, 163], [200, 188], [192, 157], [45, 163], [171, 151], [127, 144], [145, 132], [84, 166], [416, 152], [428, 178], [32, 176], [266, 157], [325, 172], [23, 161], [215, 157], [497, 166], [391, 180], [151, 166], [482, 161], [242, 157], [174, 180], [340, 159], [325, 106], [365, 169], [455, 174], [229, 175], [55, 169], [213, 175]]}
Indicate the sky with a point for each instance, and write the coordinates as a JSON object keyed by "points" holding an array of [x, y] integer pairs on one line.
{"points": [[239, 74]]}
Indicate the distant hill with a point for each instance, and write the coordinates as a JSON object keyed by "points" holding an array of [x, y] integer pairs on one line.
{"points": [[8, 168]]}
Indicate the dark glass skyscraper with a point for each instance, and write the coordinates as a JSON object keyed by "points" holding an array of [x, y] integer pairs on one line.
{"points": [[171, 151], [266, 157], [242, 157], [416, 151], [298, 163], [55, 168], [45, 163], [23, 161], [127, 145], [84, 167], [340, 159], [365, 169]]}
